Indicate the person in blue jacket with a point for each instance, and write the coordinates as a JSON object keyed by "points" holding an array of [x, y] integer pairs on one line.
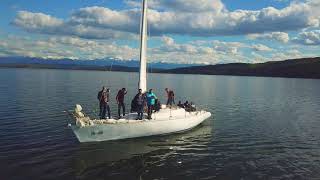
{"points": [[151, 100]]}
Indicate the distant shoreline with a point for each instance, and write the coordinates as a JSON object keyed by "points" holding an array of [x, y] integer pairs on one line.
{"points": [[306, 68]]}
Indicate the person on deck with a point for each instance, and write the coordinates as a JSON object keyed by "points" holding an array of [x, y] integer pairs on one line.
{"points": [[157, 106], [100, 101], [103, 97], [193, 107], [120, 100], [180, 104], [170, 95], [187, 106], [151, 100], [140, 100]]}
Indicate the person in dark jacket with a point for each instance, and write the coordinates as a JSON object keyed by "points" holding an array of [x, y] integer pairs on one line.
{"points": [[99, 99], [140, 101], [103, 97], [170, 96], [157, 106], [120, 100]]}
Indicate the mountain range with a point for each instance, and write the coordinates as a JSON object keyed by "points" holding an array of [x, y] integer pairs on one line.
{"points": [[98, 63]]}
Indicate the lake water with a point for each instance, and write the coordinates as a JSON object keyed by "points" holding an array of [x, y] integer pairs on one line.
{"points": [[261, 128]]}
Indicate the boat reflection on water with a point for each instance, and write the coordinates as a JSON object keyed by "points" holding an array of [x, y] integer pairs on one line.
{"points": [[96, 158]]}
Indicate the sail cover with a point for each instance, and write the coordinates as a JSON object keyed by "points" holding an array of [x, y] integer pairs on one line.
{"points": [[143, 48]]}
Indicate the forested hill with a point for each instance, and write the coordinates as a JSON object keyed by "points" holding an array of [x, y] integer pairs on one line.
{"points": [[295, 68]]}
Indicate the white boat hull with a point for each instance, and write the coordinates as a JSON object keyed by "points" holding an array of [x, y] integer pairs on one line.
{"points": [[159, 125]]}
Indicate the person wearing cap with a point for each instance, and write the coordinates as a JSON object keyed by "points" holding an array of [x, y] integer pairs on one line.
{"points": [[151, 100]]}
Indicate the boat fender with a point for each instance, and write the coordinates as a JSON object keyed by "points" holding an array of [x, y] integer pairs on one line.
{"points": [[78, 108], [79, 114], [80, 123], [77, 111], [91, 123]]}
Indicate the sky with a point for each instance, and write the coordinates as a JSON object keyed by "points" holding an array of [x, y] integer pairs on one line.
{"points": [[180, 31]]}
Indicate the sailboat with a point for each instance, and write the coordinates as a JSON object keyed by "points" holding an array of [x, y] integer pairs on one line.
{"points": [[167, 120]]}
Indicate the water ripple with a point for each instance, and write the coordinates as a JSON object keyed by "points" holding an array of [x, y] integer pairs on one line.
{"points": [[262, 128]]}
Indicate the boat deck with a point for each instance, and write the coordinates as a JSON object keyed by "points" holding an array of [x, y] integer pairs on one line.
{"points": [[162, 115]]}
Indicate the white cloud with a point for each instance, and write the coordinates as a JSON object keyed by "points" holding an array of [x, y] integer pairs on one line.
{"points": [[261, 47], [291, 54], [87, 32], [169, 45], [77, 48], [231, 48], [258, 58], [205, 52], [182, 5], [66, 47], [308, 38], [167, 40], [277, 36], [277, 55], [33, 21], [183, 17], [45, 24]]}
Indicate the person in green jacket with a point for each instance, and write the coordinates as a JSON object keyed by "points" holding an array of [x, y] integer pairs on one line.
{"points": [[151, 100]]}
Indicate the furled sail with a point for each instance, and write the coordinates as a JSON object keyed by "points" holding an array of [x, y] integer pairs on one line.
{"points": [[143, 48]]}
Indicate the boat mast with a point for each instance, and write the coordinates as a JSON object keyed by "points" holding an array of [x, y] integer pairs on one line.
{"points": [[143, 48]]}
